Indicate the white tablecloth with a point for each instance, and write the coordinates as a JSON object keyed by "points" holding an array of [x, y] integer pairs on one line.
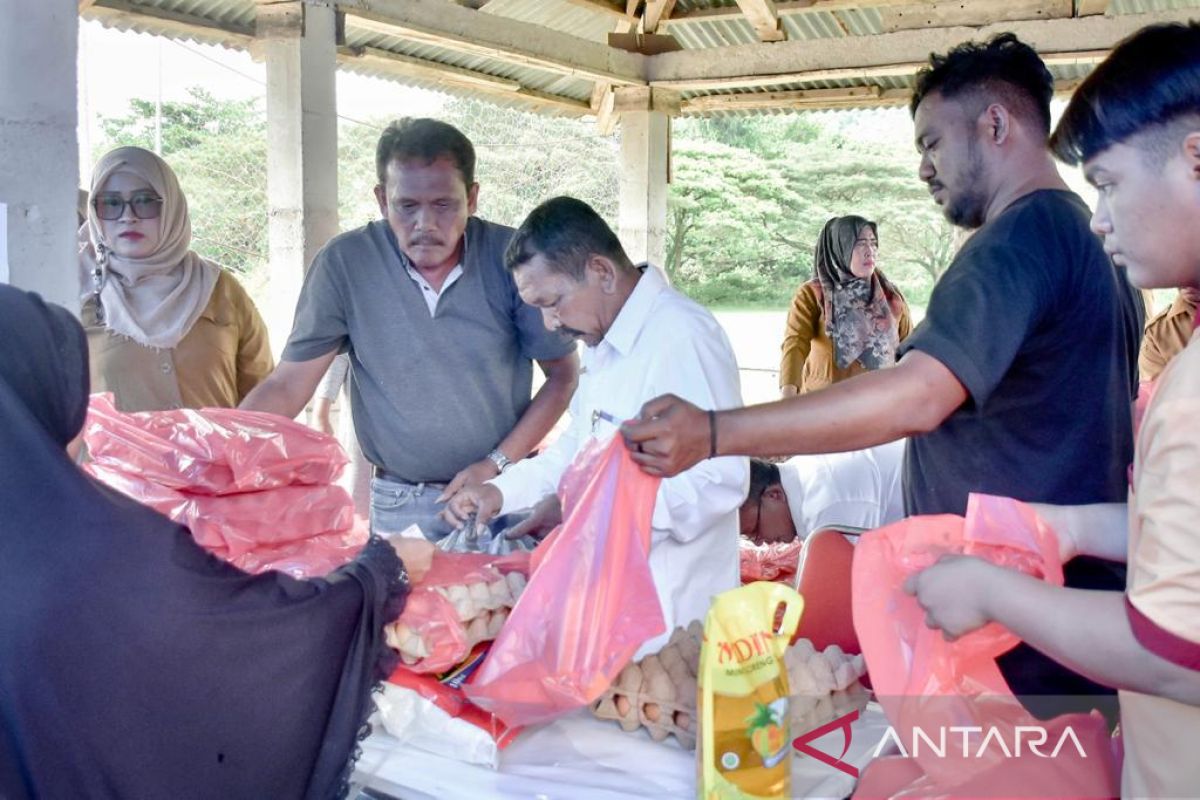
{"points": [[579, 757]]}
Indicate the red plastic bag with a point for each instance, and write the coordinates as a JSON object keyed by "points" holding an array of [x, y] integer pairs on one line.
{"points": [[254, 489], [211, 450], [774, 561], [929, 686], [591, 600], [433, 617]]}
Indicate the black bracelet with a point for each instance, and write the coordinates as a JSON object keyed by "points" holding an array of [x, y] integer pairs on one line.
{"points": [[712, 434]]}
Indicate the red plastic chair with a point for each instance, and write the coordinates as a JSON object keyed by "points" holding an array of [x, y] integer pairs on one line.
{"points": [[823, 578]]}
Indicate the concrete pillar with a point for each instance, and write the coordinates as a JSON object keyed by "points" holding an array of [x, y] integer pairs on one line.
{"points": [[298, 41], [39, 155], [645, 116]]}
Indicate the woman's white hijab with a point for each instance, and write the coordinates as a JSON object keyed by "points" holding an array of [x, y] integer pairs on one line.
{"points": [[153, 300]]}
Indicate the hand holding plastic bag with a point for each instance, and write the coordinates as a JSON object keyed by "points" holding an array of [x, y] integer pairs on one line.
{"points": [[590, 602], [929, 686]]}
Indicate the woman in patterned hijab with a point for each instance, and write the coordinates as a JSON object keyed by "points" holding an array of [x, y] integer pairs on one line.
{"points": [[848, 318]]}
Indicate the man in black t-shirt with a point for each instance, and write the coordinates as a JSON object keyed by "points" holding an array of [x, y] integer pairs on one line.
{"points": [[1019, 381]]}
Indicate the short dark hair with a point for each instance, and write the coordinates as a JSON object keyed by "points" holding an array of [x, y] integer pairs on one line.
{"points": [[1004, 67], [425, 140], [763, 475], [1149, 83], [566, 232]]}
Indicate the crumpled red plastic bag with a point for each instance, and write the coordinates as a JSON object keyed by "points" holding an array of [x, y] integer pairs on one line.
{"points": [[254, 489], [774, 561], [431, 615], [211, 450], [590, 602], [929, 685]]}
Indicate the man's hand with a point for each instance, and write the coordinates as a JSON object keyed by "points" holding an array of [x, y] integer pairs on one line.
{"points": [[481, 499], [669, 436], [482, 470], [546, 516], [954, 594]]}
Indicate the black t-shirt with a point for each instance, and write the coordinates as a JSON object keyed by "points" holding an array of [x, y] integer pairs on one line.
{"points": [[1043, 332]]}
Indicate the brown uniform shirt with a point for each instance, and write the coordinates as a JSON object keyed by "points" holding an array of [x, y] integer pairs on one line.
{"points": [[216, 364], [1167, 334], [1163, 591], [808, 361]]}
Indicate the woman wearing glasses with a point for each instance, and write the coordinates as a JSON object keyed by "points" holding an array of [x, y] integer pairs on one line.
{"points": [[166, 328], [848, 318]]}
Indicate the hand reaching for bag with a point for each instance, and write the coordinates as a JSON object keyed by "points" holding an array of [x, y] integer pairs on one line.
{"points": [[546, 516], [481, 499]]}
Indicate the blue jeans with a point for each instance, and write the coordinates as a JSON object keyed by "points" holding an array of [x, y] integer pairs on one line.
{"points": [[396, 505]]}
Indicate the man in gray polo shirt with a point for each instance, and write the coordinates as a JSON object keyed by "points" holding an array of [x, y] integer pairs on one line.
{"points": [[440, 344]]}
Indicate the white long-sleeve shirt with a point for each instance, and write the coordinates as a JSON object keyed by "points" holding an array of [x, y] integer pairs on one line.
{"points": [[858, 488], [661, 342]]}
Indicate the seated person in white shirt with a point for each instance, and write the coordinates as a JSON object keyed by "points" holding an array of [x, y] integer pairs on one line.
{"points": [[642, 339], [856, 489]]}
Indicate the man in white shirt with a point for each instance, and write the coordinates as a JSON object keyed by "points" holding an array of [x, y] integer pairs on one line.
{"points": [[642, 339], [856, 489]]}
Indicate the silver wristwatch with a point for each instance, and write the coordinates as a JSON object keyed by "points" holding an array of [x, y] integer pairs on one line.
{"points": [[499, 459]]}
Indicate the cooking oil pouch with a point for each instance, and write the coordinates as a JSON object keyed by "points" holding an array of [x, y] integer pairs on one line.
{"points": [[744, 738]]}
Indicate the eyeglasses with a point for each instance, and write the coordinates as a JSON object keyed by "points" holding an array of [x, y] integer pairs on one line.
{"points": [[111, 206]]}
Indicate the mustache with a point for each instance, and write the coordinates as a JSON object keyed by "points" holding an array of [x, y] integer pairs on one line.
{"points": [[425, 240], [572, 333]]}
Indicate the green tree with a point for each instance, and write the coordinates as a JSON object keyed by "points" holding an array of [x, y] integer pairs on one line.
{"points": [[743, 221]]}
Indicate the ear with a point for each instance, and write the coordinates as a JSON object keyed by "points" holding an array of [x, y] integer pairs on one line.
{"points": [[1191, 154], [997, 124], [472, 199], [381, 198], [604, 272]]}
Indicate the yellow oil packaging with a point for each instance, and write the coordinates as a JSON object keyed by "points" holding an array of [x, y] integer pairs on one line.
{"points": [[745, 744]]}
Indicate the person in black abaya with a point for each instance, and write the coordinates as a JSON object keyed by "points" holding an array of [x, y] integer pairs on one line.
{"points": [[132, 663]]}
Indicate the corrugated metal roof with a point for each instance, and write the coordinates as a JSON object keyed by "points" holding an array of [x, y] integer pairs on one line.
{"points": [[233, 21], [557, 15], [529, 77]]}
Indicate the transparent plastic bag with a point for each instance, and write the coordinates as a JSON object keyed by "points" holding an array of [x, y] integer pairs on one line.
{"points": [[590, 602], [774, 561], [929, 686]]}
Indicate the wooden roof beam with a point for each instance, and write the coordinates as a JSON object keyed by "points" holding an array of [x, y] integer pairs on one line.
{"points": [[460, 29], [901, 70], [971, 12], [656, 12], [751, 62], [866, 96], [1088, 8], [764, 16], [783, 8]]}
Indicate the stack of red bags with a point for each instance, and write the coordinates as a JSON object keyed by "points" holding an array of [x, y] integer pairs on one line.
{"points": [[255, 489]]}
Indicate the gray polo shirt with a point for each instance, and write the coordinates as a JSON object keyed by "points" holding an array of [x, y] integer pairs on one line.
{"points": [[430, 394]]}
